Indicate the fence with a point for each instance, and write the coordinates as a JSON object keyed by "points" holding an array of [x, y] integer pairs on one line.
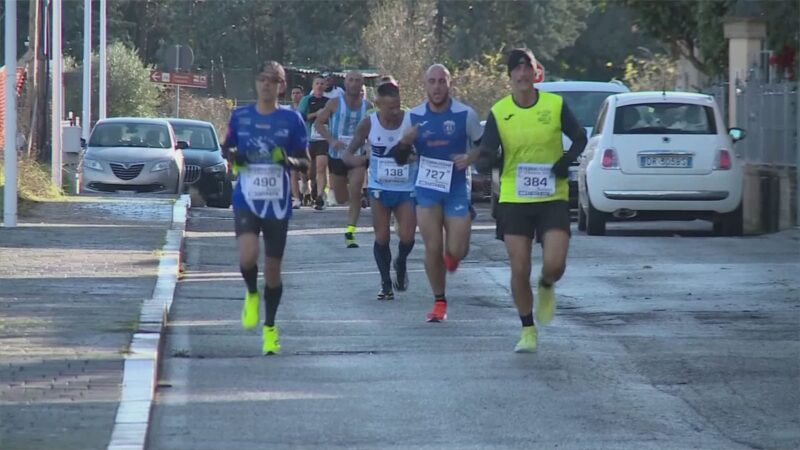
{"points": [[768, 113]]}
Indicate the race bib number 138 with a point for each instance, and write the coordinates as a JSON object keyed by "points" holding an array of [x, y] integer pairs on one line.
{"points": [[535, 181]]}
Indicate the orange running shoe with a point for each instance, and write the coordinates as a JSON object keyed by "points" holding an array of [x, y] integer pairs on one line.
{"points": [[439, 312]]}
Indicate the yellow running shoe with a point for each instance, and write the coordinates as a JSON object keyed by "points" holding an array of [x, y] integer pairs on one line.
{"points": [[272, 343], [545, 304], [527, 341], [349, 237], [250, 310]]}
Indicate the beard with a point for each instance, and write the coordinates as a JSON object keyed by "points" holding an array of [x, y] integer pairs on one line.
{"points": [[444, 100]]}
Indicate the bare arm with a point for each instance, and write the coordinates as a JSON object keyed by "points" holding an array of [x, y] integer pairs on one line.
{"points": [[362, 131], [323, 116]]}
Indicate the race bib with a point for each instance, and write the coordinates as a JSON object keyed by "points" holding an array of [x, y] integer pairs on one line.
{"points": [[390, 172], [263, 182], [435, 174], [535, 181]]}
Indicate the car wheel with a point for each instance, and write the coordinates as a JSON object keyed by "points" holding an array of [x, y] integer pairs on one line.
{"points": [[730, 224], [581, 218], [595, 221]]}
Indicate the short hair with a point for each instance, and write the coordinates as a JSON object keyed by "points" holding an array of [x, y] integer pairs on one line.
{"points": [[438, 66], [298, 87], [388, 87], [272, 66]]}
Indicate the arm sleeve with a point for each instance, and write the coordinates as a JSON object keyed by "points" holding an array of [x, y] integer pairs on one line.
{"points": [[574, 131], [490, 143], [231, 137]]}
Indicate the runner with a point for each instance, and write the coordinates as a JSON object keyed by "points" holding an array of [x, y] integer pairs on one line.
{"points": [[310, 106], [444, 129], [527, 125], [344, 114], [299, 179], [391, 186], [268, 141]]}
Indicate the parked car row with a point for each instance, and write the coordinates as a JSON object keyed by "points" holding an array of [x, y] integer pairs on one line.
{"points": [[156, 156], [650, 156]]}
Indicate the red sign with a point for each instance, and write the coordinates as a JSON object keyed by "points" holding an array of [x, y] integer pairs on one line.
{"points": [[179, 79], [539, 73]]}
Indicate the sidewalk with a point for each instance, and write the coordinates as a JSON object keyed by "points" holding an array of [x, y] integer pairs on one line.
{"points": [[73, 277]]}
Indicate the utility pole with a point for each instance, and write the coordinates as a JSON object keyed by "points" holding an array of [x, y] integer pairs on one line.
{"points": [[86, 117], [57, 98], [10, 163], [102, 101]]}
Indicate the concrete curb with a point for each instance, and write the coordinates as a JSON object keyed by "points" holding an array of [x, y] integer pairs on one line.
{"points": [[140, 373]]}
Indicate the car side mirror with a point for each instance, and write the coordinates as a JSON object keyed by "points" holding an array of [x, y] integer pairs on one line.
{"points": [[83, 143], [737, 134], [182, 145]]}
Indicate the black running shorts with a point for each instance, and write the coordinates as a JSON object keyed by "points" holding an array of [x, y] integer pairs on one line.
{"points": [[274, 230], [532, 219]]}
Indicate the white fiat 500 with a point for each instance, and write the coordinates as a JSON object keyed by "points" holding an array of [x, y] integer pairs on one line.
{"points": [[661, 156]]}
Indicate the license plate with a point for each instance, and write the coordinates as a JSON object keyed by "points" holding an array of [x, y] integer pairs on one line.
{"points": [[666, 162]]}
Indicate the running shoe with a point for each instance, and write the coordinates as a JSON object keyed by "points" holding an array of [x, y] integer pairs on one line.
{"points": [[272, 343], [250, 310], [438, 313], [527, 341]]}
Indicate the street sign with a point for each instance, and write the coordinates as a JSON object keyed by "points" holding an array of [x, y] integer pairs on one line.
{"points": [[539, 73], [178, 58], [179, 79]]}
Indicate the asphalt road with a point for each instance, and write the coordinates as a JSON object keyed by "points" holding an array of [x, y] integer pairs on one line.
{"points": [[665, 337]]}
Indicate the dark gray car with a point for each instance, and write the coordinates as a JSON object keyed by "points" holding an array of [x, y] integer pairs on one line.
{"points": [[205, 168]]}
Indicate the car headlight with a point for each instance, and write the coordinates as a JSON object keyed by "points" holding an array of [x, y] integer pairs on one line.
{"points": [[159, 166], [92, 164], [217, 168]]}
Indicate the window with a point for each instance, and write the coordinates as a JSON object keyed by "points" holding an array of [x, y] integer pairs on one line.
{"points": [[665, 118], [600, 119], [199, 137], [117, 134], [584, 104]]}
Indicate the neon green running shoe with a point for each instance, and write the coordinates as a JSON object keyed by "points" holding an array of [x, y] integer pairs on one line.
{"points": [[272, 343], [350, 238], [527, 341], [250, 310], [545, 304]]}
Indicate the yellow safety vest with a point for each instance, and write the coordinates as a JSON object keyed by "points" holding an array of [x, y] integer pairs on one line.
{"points": [[529, 136]]}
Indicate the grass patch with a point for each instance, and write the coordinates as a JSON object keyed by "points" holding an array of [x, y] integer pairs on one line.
{"points": [[33, 183]]}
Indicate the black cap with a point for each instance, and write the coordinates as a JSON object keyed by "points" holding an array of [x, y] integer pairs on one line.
{"points": [[519, 56]]}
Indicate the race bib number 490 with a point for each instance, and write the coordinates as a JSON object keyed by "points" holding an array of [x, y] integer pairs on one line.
{"points": [[535, 181], [435, 174], [263, 182], [390, 172]]}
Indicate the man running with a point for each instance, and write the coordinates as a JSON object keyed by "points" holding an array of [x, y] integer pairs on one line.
{"points": [[269, 140], [309, 107], [444, 129], [527, 125], [343, 114], [299, 179], [391, 186]]}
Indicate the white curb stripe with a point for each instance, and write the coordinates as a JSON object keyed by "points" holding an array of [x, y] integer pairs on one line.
{"points": [[141, 363]]}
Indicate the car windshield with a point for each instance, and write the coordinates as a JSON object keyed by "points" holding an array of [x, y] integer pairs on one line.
{"points": [[664, 118], [584, 104], [199, 137], [118, 134]]}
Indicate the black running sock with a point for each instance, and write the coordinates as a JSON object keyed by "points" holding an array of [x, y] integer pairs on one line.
{"points": [[250, 278], [272, 298], [527, 321], [439, 298], [383, 258], [403, 250]]}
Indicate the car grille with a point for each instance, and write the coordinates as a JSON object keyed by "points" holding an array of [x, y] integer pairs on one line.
{"points": [[126, 173], [191, 173]]}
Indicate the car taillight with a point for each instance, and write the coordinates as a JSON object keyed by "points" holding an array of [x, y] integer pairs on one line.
{"points": [[723, 160], [610, 160]]}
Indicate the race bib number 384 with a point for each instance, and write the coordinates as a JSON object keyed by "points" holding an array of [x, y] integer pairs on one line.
{"points": [[535, 181], [264, 182], [435, 174]]}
